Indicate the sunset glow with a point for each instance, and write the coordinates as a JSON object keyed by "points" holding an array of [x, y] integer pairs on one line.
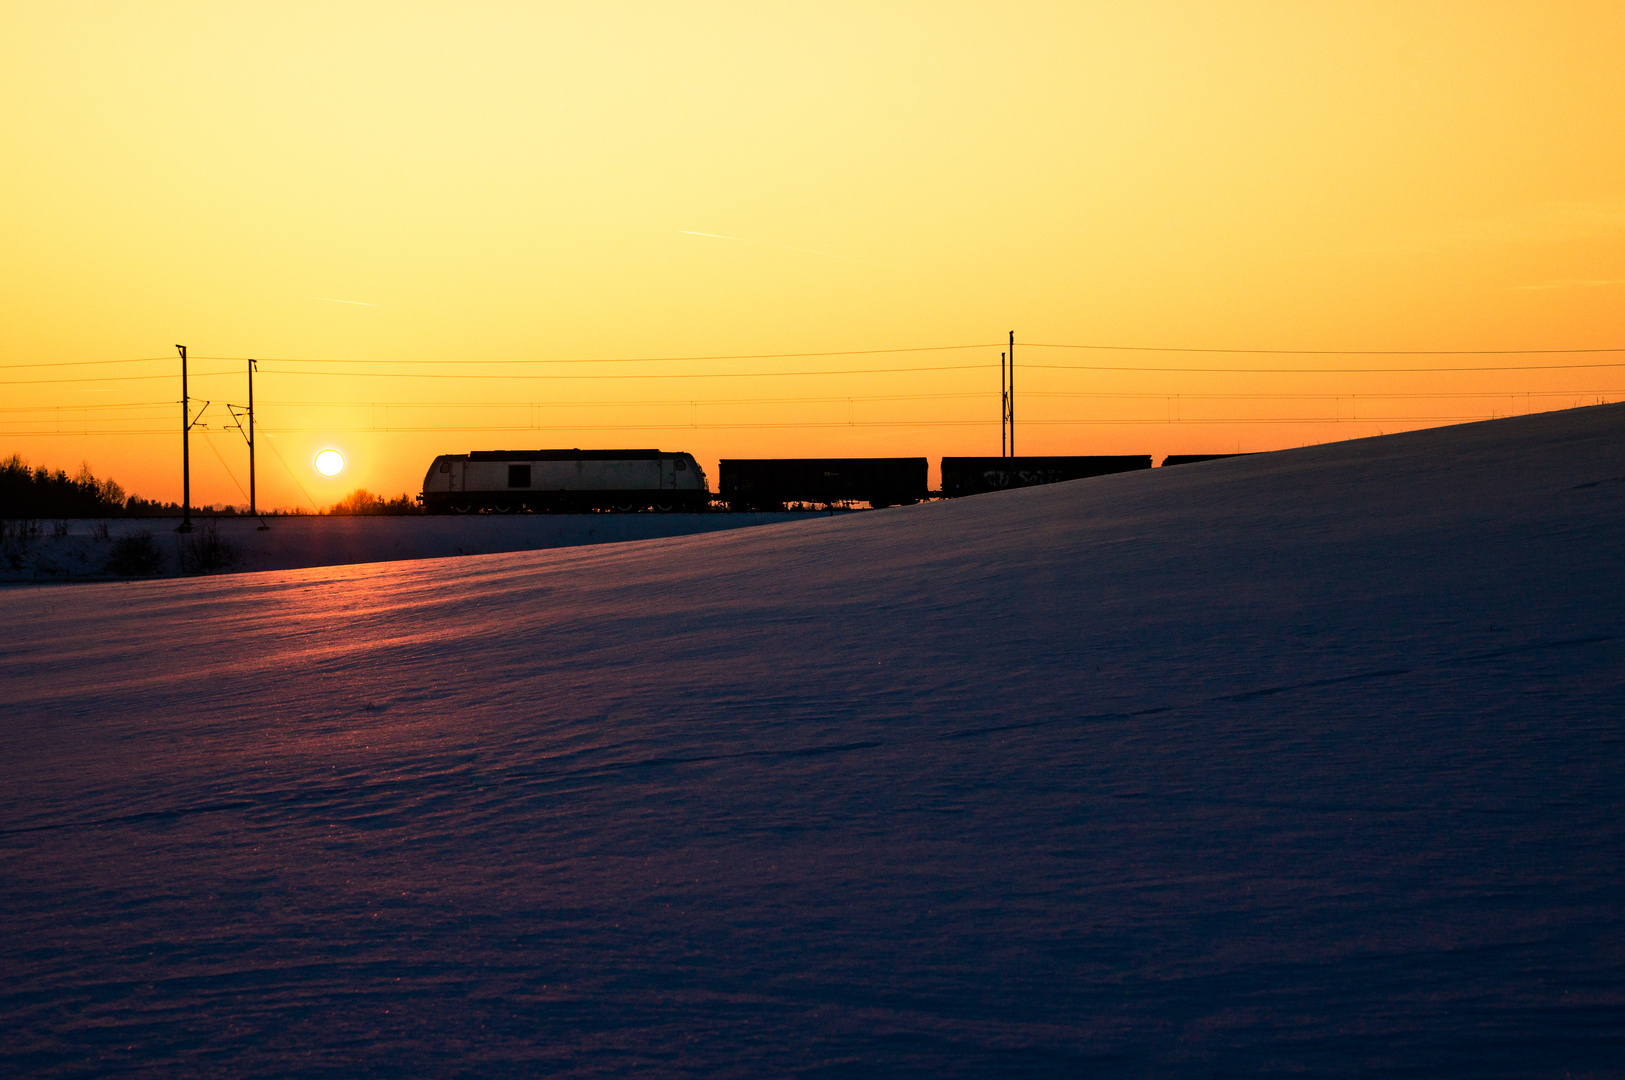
{"points": [[748, 231]]}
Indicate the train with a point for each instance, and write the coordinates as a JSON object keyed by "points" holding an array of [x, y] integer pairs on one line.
{"points": [[564, 481], [625, 481]]}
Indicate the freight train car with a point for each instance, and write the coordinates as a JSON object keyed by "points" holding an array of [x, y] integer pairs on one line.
{"points": [[769, 483], [974, 475], [505, 481], [1192, 459]]}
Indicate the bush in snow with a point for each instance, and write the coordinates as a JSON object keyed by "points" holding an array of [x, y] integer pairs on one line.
{"points": [[204, 552], [135, 555]]}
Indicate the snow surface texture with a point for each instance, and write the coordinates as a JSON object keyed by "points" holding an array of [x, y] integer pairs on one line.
{"points": [[1309, 761], [293, 542]]}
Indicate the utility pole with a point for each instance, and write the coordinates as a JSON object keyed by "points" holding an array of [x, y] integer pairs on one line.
{"points": [[1004, 410], [1010, 406], [253, 506], [252, 509], [238, 412], [186, 450]]}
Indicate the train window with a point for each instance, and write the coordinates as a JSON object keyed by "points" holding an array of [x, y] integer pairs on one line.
{"points": [[445, 466], [681, 464], [519, 476]]}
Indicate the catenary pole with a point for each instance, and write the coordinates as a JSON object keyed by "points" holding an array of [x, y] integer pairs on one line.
{"points": [[253, 504], [1004, 410], [186, 449], [1012, 393]]}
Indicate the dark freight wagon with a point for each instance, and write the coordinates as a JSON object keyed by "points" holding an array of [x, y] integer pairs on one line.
{"points": [[769, 483], [506, 481], [1192, 459], [974, 475]]}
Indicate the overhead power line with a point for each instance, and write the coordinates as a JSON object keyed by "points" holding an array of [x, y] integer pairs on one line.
{"points": [[71, 411], [647, 375], [292, 475], [113, 378], [829, 425], [1320, 370], [99, 407], [550, 360], [467, 375], [1332, 352], [631, 359], [967, 395], [87, 363], [669, 375], [1202, 350]]}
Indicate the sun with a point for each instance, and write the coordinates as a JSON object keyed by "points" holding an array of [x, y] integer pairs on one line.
{"points": [[329, 462]]}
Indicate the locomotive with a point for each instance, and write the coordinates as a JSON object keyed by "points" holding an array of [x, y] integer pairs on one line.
{"points": [[505, 481]]}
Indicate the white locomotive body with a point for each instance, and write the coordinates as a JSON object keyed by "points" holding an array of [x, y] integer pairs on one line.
{"points": [[564, 480]]}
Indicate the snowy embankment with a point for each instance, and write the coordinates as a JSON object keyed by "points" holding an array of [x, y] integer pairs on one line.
{"points": [[79, 550], [1304, 762]]}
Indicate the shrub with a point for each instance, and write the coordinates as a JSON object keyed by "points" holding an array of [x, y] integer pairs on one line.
{"points": [[135, 555], [15, 536], [204, 552]]}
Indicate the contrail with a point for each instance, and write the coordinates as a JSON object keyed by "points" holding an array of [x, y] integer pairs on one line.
{"points": [[1574, 283], [330, 300], [805, 251]]}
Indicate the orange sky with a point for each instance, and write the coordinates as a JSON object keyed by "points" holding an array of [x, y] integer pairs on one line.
{"points": [[525, 184]]}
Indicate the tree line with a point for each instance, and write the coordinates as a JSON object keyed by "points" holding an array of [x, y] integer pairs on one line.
{"points": [[38, 492], [35, 492]]}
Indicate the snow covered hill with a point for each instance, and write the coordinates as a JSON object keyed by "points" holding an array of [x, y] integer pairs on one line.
{"points": [[1303, 762]]}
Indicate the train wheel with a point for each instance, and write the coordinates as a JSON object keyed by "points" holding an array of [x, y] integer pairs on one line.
{"points": [[664, 508], [463, 509], [625, 508]]}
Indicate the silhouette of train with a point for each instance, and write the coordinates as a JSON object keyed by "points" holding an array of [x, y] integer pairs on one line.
{"points": [[574, 481], [564, 481]]}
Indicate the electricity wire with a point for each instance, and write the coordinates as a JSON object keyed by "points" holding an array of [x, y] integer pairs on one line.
{"points": [[210, 444], [580, 360], [594, 376], [54, 412], [1330, 352], [291, 475], [1189, 350], [87, 408], [809, 426], [965, 395], [116, 378], [1318, 370]]}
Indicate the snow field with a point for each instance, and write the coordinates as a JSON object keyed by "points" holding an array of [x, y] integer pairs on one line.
{"points": [[1308, 761]]}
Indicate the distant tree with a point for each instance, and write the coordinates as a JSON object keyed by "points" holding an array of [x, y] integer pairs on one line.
{"points": [[135, 506], [362, 501]]}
